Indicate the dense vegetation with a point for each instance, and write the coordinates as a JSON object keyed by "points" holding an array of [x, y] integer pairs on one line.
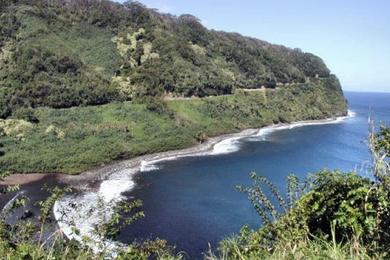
{"points": [[74, 140], [69, 53], [83, 83]]}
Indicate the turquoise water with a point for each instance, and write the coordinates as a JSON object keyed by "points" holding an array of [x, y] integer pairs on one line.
{"points": [[192, 202]]}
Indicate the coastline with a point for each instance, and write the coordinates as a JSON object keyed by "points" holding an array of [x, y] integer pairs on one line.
{"points": [[101, 173], [98, 191], [95, 204], [90, 179]]}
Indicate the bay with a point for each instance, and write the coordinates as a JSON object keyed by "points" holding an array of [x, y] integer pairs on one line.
{"points": [[193, 202]]}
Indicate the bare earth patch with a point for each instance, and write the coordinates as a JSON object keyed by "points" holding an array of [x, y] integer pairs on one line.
{"points": [[21, 179]]}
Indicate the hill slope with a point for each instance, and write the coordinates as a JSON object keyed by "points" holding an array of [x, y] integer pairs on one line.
{"points": [[59, 59], [70, 53]]}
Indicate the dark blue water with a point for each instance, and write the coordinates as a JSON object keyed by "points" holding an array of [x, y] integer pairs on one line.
{"points": [[192, 202]]}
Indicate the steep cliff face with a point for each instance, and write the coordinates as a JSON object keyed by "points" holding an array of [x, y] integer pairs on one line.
{"points": [[70, 53]]}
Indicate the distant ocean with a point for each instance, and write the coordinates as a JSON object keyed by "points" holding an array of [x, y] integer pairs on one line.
{"points": [[192, 202]]}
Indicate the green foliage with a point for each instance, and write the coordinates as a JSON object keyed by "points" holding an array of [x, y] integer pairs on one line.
{"points": [[379, 147], [37, 77], [47, 62], [47, 205], [70, 54], [118, 221], [27, 114], [77, 139], [83, 53], [201, 137], [383, 139], [155, 249], [306, 248], [354, 204], [261, 202], [156, 105]]}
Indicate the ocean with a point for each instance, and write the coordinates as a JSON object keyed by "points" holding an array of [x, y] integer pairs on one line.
{"points": [[193, 202]]}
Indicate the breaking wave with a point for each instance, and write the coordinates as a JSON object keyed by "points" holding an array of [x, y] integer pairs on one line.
{"points": [[226, 146], [79, 214]]}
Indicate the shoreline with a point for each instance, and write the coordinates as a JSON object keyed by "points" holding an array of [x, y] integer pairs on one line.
{"points": [[111, 182], [89, 179], [101, 173], [97, 191]]}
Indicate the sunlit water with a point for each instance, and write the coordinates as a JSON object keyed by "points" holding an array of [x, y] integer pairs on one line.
{"points": [[192, 202]]}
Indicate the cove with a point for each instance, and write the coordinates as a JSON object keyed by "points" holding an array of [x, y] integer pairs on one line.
{"points": [[192, 202]]}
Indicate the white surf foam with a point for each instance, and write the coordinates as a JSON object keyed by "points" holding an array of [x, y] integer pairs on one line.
{"points": [[84, 212], [231, 145], [226, 146], [79, 215], [265, 131], [147, 166], [152, 164], [351, 113]]}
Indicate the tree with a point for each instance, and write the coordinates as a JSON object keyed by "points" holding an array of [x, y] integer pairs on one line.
{"points": [[26, 114]]}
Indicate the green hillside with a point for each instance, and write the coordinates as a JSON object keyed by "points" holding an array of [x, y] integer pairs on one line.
{"points": [[76, 139], [83, 83], [63, 54]]}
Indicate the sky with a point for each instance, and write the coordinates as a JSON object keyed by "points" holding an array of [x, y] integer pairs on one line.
{"points": [[351, 36]]}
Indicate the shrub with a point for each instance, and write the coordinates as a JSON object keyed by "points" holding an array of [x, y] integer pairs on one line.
{"points": [[355, 205], [156, 105], [26, 114], [201, 137]]}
